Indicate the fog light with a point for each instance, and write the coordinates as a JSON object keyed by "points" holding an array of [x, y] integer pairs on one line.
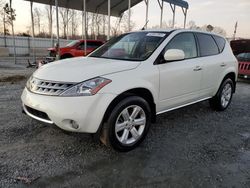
{"points": [[245, 76], [74, 124]]}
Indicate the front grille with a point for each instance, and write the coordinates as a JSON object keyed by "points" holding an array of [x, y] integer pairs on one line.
{"points": [[48, 87], [244, 66], [37, 113]]}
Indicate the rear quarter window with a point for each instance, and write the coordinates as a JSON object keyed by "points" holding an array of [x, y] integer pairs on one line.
{"points": [[207, 45], [220, 42]]}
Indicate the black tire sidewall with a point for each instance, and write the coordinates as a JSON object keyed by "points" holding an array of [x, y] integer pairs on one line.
{"points": [[227, 81], [132, 100]]}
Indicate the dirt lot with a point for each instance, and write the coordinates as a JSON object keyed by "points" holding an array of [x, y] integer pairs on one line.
{"points": [[189, 147]]}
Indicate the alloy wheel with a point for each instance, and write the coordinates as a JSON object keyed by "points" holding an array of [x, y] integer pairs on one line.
{"points": [[130, 125]]}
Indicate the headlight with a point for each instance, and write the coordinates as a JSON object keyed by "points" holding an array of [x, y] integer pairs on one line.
{"points": [[28, 82], [86, 88]]}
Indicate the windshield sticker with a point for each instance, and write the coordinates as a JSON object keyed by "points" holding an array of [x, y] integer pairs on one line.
{"points": [[156, 34]]}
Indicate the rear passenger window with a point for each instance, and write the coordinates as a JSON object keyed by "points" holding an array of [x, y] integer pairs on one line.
{"points": [[185, 42], [93, 44], [90, 45], [207, 45], [220, 42]]}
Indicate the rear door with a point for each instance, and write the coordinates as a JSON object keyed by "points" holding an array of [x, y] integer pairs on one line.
{"points": [[212, 62], [180, 80]]}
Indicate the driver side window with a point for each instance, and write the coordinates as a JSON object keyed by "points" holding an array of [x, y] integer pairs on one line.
{"points": [[185, 42]]}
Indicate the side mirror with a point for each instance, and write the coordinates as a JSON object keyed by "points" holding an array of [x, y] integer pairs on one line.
{"points": [[174, 55]]}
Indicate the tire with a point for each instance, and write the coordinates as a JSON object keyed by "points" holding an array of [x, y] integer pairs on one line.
{"points": [[223, 98], [120, 131]]}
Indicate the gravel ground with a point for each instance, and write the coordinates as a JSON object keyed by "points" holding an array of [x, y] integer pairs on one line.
{"points": [[190, 147]]}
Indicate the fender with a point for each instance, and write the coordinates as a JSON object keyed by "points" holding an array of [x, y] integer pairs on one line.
{"points": [[225, 73]]}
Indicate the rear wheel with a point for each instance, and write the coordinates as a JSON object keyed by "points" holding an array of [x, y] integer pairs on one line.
{"points": [[127, 124], [224, 96]]}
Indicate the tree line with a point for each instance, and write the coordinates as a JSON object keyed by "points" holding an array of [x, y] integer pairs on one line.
{"points": [[70, 22]]}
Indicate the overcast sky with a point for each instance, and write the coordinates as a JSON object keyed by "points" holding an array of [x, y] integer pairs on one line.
{"points": [[223, 13]]}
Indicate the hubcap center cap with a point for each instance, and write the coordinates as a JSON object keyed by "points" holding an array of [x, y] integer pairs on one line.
{"points": [[129, 124]]}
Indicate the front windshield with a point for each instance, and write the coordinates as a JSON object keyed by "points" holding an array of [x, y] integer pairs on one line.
{"points": [[73, 43], [136, 46], [245, 57]]}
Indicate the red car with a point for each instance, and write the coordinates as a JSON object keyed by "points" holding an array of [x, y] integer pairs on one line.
{"points": [[241, 49], [76, 48], [244, 65]]}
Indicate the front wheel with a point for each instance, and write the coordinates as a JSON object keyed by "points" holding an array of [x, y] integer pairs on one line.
{"points": [[127, 124], [224, 96]]}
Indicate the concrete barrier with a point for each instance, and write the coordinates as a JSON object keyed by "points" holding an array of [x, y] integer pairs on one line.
{"points": [[4, 52]]}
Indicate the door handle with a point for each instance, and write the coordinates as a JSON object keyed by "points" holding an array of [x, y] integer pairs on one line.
{"points": [[197, 68], [223, 64]]}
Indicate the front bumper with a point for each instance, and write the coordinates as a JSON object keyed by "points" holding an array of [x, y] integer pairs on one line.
{"points": [[245, 76], [86, 111], [244, 70]]}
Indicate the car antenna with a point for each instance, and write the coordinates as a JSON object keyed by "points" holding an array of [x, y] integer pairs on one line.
{"points": [[143, 28]]}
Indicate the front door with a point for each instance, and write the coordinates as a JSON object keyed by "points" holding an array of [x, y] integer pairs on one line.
{"points": [[180, 80], [80, 50]]}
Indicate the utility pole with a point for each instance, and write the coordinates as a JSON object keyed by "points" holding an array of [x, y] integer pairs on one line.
{"points": [[235, 30]]}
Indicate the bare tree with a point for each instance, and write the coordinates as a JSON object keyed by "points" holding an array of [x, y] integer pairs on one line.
{"points": [[49, 13], [2, 16], [219, 31], [124, 22], [98, 22], [65, 19], [88, 23], [10, 18], [37, 19], [191, 25], [75, 19], [5, 18], [165, 25], [214, 29], [115, 28], [121, 25], [104, 21], [209, 28], [92, 26]]}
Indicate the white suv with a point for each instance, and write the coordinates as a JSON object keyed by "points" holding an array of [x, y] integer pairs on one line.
{"points": [[117, 91]]}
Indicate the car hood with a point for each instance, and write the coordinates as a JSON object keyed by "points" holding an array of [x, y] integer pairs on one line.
{"points": [[62, 48], [82, 68]]}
